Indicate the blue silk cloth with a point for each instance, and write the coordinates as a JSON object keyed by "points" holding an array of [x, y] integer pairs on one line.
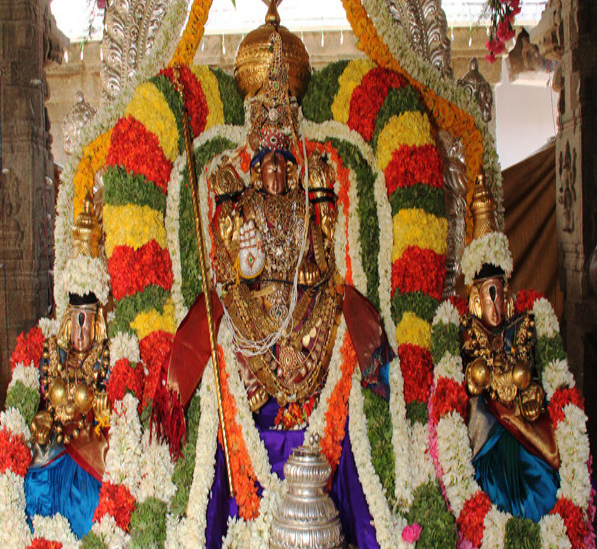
{"points": [[63, 487], [346, 492], [515, 480]]}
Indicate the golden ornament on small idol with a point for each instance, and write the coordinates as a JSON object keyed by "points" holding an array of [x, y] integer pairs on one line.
{"points": [[86, 231], [484, 210]]}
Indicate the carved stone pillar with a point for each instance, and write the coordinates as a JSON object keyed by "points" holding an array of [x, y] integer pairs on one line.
{"points": [[568, 31], [29, 38]]}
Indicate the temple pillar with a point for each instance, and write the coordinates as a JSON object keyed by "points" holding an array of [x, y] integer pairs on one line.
{"points": [[28, 40]]}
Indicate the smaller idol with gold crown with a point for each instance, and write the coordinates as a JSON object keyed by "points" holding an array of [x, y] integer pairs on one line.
{"points": [[515, 453], [69, 444]]}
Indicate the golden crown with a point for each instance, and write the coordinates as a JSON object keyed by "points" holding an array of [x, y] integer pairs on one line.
{"points": [[484, 210]]}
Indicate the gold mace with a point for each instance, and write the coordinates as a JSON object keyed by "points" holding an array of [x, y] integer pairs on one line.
{"points": [[179, 87]]}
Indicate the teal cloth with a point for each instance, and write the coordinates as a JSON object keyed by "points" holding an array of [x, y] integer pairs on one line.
{"points": [[63, 487], [515, 480]]}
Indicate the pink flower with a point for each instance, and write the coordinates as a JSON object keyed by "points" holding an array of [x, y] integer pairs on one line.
{"points": [[505, 31], [412, 532]]}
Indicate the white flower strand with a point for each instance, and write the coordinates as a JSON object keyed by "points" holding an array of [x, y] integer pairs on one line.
{"points": [[494, 532], [110, 533], [12, 421], [556, 375], [546, 321], [124, 346], [553, 533], [15, 531], [55, 528], [28, 375], [492, 248]]}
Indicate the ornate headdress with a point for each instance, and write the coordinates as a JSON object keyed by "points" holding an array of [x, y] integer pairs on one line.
{"points": [[86, 277], [489, 252]]}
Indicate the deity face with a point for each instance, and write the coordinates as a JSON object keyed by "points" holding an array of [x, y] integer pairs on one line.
{"points": [[491, 292], [82, 329], [273, 173]]}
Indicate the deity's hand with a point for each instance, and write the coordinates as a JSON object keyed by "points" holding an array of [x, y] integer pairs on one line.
{"points": [[251, 256], [531, 402], [101, 409], [41, 427]]}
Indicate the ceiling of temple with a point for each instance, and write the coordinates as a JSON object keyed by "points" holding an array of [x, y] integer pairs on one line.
{"points": [[73, 18]]}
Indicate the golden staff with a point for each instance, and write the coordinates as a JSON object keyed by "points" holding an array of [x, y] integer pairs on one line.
{"points": [[179, 87]]}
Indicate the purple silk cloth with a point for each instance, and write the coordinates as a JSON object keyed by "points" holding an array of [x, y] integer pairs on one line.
{"points": [[346, 492]]}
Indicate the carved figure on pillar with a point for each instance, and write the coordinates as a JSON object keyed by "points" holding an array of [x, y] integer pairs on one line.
{"points": [[515, 453], [69, 433]]}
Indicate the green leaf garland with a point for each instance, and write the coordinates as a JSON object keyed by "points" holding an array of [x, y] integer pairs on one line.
{"points": [[444, 338], [148, 524], [423, 196], [234, 112], [422, 305], [322, 90], [24, 399], [127, 309], [122, 188]]}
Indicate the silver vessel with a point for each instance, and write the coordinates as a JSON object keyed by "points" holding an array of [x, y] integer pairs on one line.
{"points": [[307, 516]]}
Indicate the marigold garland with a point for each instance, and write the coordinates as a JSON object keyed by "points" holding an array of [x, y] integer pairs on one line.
{"points": [[117, 501], [415, 227], [417, 371], [92, 160], [40, 543], [147, 322], [418, 270], [350, 78], [192, 34], [211, 89], [125, 377], [471, 519], [411, 165], [15, 454], [331, 443], [132, 145], [449, 396], [154, 348], [413, 329]]}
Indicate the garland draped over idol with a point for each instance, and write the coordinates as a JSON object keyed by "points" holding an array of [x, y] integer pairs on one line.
{"points": [[375, 120]]}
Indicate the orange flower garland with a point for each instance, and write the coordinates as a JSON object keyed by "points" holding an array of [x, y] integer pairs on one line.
{"points": [[331, 443], [192, 34], [92, 160]]}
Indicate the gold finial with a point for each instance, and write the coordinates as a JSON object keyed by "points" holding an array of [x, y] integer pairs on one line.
{"points": [[273, 17], [86, 231], [484, 210]]}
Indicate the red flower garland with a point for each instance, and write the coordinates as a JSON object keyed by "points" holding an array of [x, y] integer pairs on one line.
{"points": [[368, 97], [449, 396], [41, 543], [135, 149], [132, 270], [154, 349], [411, 165], [525, 299], [124, 377], [417, 370], [472, 517], [29, 348], [117, 501], [195, 100], [574, 520], [419, 270], [15, 455], [561, 398], [460, 303]]}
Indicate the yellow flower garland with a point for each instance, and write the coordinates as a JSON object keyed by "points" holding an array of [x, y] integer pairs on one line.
{"points": [[149, 106], [410, 128], [192, 34], [93, 158], [416, 227], [350, 78], [413, 330], [447, 116], [152, 321], [134, 226], [209, 83]]}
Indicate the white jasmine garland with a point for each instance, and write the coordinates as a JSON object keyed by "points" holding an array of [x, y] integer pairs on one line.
{"points": [[49, 326], [446, 314], [340, 244], [354, 230], [84, 275], [124, 346], [556, 375], [125, 452], [387, 526], [455, 457], [492, 248], [573, 445], [156, 470], [28, 375], [55, 528], [12, 421], [400, 440], [110, 533], [494, 529], [15, 531], [546, 321], [449, 367], [553, 533], [421, 466]]}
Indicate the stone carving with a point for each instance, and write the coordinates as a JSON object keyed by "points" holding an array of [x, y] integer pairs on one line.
{"points": [[12, 232], [131, 28], [425, 24], [455, 188], [478, 88], [567, 188], [76, 119]]}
